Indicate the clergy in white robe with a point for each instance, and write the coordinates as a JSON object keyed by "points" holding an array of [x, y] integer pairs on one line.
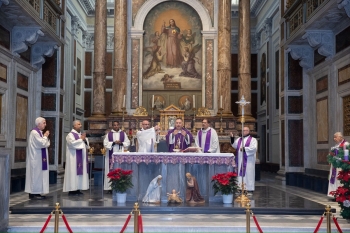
{"points": [[207, 138], [115, 141], [37, 164], [245, 160], [333, 182], [147, 137], [76, 176]]}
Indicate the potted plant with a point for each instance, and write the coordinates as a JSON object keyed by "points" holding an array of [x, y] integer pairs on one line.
{"points": [[120, 181], [226, 184]]}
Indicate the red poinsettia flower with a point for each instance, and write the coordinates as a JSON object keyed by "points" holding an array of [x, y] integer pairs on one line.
{"points": [[224, 183], [120, 180]]}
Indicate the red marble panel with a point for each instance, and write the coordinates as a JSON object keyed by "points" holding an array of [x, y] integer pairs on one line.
{"points": [[88, 63], [295, 143], [283, 144], [295, 104], [322, 156], [3, 72], [21, 118], [51, 126], [109, 64], [61, 103], [88, 83], [49, 71], [62, 68], [295, 74], [20, 154], [60, 143], [87, 104], [48, 102], [322, 84], [108, 83], [254, 65], [5, 39], [22, 81], [135, 61], [234, 65], [209, 74]]}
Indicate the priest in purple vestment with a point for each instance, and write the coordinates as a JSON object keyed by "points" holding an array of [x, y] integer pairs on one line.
{"points": [[179, 137]]}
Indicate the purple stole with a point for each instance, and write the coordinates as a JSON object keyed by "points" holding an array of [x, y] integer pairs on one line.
{"points": [[43, 152], [110, 138], [207, 140], [180, 137], [245, 156], [79, 156], [334, 169]]}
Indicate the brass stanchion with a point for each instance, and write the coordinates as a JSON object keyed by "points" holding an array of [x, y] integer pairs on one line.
{"points": [[57, 217], [136, 212], [328, 216], [247, 213]]}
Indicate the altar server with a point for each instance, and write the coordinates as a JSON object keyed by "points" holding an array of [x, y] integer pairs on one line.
{"points": [[147, 137], [115, 141], [179, 137], [207, 138], [245, 160], [76, 176], [37, 164]]}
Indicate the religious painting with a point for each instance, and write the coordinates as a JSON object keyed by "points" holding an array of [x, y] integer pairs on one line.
{"points": [[172, 48], [186, 102], [3, 72], [159, 102], [78, 76], [21, 117]]}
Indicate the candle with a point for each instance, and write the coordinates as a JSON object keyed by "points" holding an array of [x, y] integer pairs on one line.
{"points": [[124, 102], [194, 101], [346, 155], [221, 101], [152, 101]]}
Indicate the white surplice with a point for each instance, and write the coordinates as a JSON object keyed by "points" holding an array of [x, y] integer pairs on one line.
{"points": [[72, 181], [37, 180], [146, 140], [214, 146], [116, 148], [249, 178]]}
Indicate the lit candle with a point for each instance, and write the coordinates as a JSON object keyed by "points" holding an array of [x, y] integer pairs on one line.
{"points": [[152, 101], [221, 101], [346, 155], [194, 101], [124, 102]]}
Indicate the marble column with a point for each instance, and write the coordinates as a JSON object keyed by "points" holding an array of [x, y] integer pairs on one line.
{"points": [[244, 62], [224, 57], [100, 40], [120, 59]]}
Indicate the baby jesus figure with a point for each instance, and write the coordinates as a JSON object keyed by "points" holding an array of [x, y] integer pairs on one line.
{"points": [[173, 197]]}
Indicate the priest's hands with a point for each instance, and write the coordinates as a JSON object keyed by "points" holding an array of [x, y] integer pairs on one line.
{"points": [[83, 136], [47, 133], [183, 132], [118, 142]]}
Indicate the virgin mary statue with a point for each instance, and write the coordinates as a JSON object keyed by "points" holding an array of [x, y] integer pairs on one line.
{"points": [[153, 191]]}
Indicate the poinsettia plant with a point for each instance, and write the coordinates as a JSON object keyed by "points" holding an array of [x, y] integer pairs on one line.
{"points": [[226, 183], [120, 180]]}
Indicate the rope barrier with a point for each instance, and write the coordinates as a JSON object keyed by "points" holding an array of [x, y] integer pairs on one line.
{"points": [[47, 222], [336, 224], [140, 224], [66, 222], [126, 223], [319, 224], [256, 223]]}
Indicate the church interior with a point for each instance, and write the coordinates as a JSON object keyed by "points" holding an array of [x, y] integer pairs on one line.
{"points": [[159, 60]]}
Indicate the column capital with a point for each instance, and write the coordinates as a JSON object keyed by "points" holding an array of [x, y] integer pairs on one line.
{"points": [[40, 51], [346, 5], [23, 35]]}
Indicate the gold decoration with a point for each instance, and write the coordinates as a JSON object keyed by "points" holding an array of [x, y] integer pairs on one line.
{"points": [[203, 111], [140, 111]]}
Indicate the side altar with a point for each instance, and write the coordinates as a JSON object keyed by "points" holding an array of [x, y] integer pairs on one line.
{"points": [[173, 168]]}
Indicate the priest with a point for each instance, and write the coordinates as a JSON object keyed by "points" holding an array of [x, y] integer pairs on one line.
{"points": [[76, 176], [207, 138], [37, 165], [245, 160], [147, 137], [179, 137], [115, 141]]}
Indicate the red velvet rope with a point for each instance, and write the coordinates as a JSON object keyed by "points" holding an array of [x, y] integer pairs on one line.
{"points": [[66, 222], [257, 224], [140, 224], [337, 225], [126, 223], [318, 225], [45, 225]]}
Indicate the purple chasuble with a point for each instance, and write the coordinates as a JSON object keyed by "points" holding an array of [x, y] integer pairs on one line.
{"points": [[245, 156], [110, 139], [207, 140], [178, 137], [79, 156], [43, 152]]}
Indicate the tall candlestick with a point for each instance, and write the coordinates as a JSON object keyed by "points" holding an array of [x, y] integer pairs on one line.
{"points": [[152, 101], [124, 102], [221, 101], [194, 101]]}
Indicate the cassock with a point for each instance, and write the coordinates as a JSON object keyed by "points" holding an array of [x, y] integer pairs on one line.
{"points": [[37, 164], [208, 140], [333, 182], [146, 139], [111, 147], [76, 176], [178, 139], [245, 161]]}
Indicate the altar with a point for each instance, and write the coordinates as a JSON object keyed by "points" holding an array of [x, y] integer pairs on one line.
{"points": [[173, 167]]}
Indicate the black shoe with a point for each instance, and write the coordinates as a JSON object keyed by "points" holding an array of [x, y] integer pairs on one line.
{"points": [[31, 196], [36, 197], [109, 192], [79, 192], [73, 193]]}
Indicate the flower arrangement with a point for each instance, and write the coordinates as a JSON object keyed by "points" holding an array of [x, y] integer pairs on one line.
{"points": [[225, 183], [120, 180]]}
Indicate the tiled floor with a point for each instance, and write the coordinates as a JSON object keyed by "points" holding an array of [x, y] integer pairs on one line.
{"points": [[269, 195]]}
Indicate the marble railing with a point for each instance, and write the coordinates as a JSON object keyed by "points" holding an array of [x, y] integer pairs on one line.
{"points": [[4, 188]]}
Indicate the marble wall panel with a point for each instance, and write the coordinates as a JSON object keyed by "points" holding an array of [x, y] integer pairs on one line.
{"points": [[295, 143], [49, 71], [136, 5], [277, 79], [88, 63], [209, 6], [109, 64], [21, 117], [234, 66], [20, 154], [48, 102], [209, 74], [109, 83], [108, 105], [322, 84], [282, 105], [295, 104], [254, 65], [51, 126], [78, 82], [87, 104], [75, 52], [346, 115], [344, 75], [22, 81], [231, 125], [322, 156], [342, 40], [322, 120], [5, 39], [283, 144], [4, 188], [282, 68], [88, 83], [61, 103], [60, 144], [98, 126], [135, 61], [295, 74], [3, 72], [62, 66]]}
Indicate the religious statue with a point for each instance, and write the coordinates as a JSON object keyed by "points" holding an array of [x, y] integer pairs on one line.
{"points": [[173, 197], [153, 191], [192, 190]]}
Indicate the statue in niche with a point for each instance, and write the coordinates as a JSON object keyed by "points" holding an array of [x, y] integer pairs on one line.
{"points": [[158, 103], [153, 191], [171, 121], [173, 197], [192, 190]]}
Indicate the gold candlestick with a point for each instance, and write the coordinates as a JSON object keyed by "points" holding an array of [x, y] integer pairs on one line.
{"points": [[194, 121], [91, 150], [152, 119], [221, 130], [103, 151], [123, 111]]}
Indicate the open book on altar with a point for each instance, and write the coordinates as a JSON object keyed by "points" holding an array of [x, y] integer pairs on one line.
{"points": [[193, 149]]}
